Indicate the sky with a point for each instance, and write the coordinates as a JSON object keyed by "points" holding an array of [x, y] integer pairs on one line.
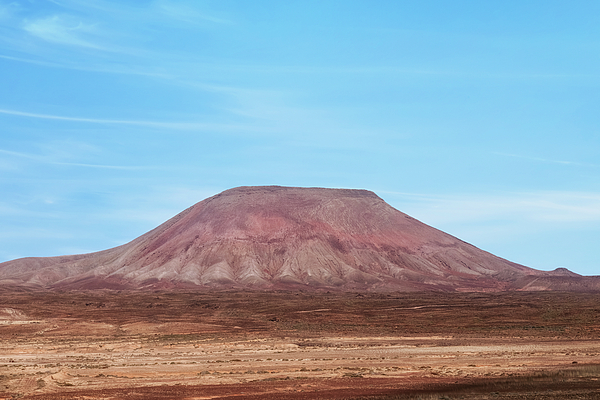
{"points": [[480, 118]]}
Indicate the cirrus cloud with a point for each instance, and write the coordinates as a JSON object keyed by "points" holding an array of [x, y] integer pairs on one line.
{"points": [[62, 29]]}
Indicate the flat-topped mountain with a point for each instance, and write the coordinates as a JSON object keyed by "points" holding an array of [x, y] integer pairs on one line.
{"points": [[283, 237]]}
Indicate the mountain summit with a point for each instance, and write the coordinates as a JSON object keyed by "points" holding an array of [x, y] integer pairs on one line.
{"points": [[283, 237]]}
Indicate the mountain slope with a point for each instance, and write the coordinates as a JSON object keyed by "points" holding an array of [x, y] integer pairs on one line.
{"points": [[281, 237]]}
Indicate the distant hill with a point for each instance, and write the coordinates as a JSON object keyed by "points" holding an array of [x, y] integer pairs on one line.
{"points": [[290, 238]]}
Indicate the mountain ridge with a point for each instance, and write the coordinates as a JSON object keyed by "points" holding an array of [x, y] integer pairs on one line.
{"points": [[273, 237]]}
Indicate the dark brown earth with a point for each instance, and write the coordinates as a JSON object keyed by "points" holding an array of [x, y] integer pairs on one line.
{"points": [[298, 345], [291, 238]]}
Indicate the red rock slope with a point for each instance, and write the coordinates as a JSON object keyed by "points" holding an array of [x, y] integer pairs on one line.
{"points": [[281, 237]]}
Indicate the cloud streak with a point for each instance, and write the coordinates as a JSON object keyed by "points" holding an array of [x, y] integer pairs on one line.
{"points": [[62, 29], [543, 207], [545, 160], [108, 69], [47, 160], [185, 126]]}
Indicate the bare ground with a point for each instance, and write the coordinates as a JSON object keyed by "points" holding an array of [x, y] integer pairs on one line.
{"points": [[299, 345]]}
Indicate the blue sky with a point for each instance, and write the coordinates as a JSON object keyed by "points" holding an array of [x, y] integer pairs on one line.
{"points": [[479, 118]]}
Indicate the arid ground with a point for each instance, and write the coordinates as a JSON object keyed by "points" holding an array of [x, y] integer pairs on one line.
{"points": [[299, 345]]}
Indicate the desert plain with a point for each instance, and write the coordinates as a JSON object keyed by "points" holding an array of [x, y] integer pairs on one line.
{"points": [[296, 344]]}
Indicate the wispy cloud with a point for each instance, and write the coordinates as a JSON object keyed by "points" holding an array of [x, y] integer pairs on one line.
{"points": [[512, 224], [178, 9], [17, 154], [77, 119], [62, 29], [30, 61], [92, 67], [193, 126], [103, 166], [106, 27], [546, 160], [542, 207], [49, 160]]}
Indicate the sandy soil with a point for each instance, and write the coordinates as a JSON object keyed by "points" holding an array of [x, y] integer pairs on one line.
{"points": [[260, 345]]}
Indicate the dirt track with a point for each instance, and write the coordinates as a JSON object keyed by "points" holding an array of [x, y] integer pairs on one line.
{"points": [[298, 345]]}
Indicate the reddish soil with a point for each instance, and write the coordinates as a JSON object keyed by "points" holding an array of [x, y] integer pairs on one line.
{"points": [[299, 345]]}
